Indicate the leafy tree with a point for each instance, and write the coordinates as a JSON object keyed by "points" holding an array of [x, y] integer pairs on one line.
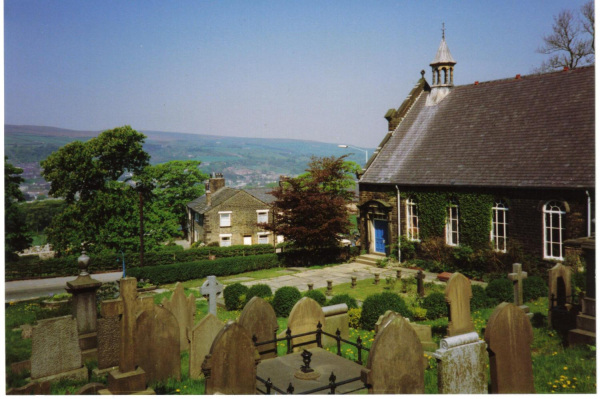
{"points": [[176, 183], [311, 209], [39, 214], [571, 43], [16, 237]]}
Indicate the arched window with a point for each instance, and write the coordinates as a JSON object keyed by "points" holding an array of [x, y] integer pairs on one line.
{"points": [[553, 229], [412, 220], [452, 224], [499, 226]]}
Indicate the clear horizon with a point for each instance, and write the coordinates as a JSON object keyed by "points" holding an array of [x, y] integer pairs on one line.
{"points": [[326, 72]]}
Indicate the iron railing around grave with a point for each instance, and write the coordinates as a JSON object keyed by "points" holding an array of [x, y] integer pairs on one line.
{"points": [[333, 385]]}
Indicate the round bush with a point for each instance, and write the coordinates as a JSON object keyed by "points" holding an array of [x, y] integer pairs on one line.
{"points": [[317, 296], [436, 305], [480, 299], [534, 287], [285, 299], [500, 290], [233, 296], [259, 290], [377, 304], [343, 298]]}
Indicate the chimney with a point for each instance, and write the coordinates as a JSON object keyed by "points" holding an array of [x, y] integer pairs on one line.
{"points": [[207, 191], [216, 182]]}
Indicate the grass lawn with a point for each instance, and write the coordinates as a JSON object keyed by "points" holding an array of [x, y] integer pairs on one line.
{"points": [[255, 275]]}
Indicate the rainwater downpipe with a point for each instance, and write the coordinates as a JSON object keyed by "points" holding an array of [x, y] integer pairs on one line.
{"points": [[399, 228], [589, 221]]}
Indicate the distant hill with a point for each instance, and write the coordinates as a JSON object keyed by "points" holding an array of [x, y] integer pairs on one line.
{"points": [[243, 161]]}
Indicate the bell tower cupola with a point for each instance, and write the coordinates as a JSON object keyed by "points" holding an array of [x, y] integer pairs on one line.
{"points": [[442, 68]]}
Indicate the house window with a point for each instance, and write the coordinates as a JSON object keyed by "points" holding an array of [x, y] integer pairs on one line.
{"points": [[199, 218], [280, 239], [225, 240], [452, 224], [225, 219], [499, 226], [263, 238], [553, 230], [263, 216], [248, 240], [412, 220]]}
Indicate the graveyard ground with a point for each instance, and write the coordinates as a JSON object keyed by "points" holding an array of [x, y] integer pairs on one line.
{"points": [[556, 369]]}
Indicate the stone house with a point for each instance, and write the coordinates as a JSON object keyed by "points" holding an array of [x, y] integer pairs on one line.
{"points": [[230, 216], [485, 164]]}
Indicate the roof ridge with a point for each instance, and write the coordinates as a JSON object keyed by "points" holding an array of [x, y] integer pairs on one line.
{"points": [[530, 76]]}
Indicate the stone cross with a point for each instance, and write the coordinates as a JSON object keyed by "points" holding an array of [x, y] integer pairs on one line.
{"points": [[127, 306], [212, 288], [420, 287], [517, 277], [458, 295]]}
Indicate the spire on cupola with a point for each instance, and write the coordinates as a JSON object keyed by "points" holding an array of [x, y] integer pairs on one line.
{"points": [[442, 68]]}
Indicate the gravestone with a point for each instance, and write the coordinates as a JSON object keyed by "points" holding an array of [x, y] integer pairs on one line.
{"points": [[259, 319], [395, 360], [585, 323], [210, 289], [559, 289], [509, 336], [157, 344], [55, 352], [423, 331], [230, 367], [458, 295], [420, 285], [462, 365], [184, 309], [201, 339], [304, 317], [109, 341], [336, 317], [128, 378], [517, 277]]}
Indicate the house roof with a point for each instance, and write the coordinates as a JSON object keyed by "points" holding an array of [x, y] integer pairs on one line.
{"points": [[199, 204], [536, 131]]}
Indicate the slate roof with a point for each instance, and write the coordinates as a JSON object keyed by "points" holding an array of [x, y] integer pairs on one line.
{"points": [[222, 195], [443, 55], [536, 131]]}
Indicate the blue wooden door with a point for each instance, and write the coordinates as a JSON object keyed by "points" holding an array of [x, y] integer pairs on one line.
{"points": [[380, 235]]}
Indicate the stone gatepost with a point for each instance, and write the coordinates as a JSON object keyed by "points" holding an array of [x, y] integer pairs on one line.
{"points": [[83, 307]]}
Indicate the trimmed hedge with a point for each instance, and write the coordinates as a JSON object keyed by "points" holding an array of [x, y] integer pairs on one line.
{"points": [[32, 266], [480, 299], [377, 304], [534, 287], [317, 296], [500, 290], [436, 306], [235, 296], [343, 298], [194, 270], [285, 299], [259, 290]]}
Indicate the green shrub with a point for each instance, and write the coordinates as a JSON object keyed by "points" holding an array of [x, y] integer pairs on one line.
{"points": [[480, 299], [343, 298], [233, 296], [436, 305], [578, 282], [377, 304], [317, 296], [194, 270], [539, 320], [259, 290], [285, 299], [500, 290], [533, 288], [354, 317]]}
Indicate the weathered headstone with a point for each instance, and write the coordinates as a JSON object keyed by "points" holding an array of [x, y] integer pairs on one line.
{"points": [[509, 336], [517, 277], [55, 352], [423, 331], [157, 344], [420, 285], [201, 339], [395, 360], [458, 295], [304, 317], [585, 323], [259, 319], [184, 309], [109, 341], [559, 289], [462, 365], [230, 367], [336, 318], [210, 289]]}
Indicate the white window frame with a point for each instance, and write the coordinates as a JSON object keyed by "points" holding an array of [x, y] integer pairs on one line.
{"points": [[499, 208], [280, 238], [221, 240], [244, 239], [223, 213], [412, 220], [449, 219], [262, 233], [259, 212], [552, 208]]}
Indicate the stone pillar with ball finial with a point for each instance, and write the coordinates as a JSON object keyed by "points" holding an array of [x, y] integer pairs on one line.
{"points": [[84, 308]]}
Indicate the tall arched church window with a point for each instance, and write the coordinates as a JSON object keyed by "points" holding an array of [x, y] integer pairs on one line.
{"points": [[412, 220], [499, 226], [554, 212], [452, 224]]}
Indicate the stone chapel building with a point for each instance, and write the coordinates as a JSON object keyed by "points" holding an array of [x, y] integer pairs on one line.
{"points": [[485, 164]]}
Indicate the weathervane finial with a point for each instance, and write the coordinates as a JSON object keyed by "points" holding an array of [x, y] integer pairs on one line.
{"points": [[443, 31]]}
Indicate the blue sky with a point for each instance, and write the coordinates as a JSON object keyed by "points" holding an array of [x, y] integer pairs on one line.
{"points": [[322, 70]]}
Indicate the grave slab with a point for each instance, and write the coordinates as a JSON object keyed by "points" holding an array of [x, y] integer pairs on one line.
{"points": [[202, 338], [183, 308], [259, 319], [303, 318]]}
